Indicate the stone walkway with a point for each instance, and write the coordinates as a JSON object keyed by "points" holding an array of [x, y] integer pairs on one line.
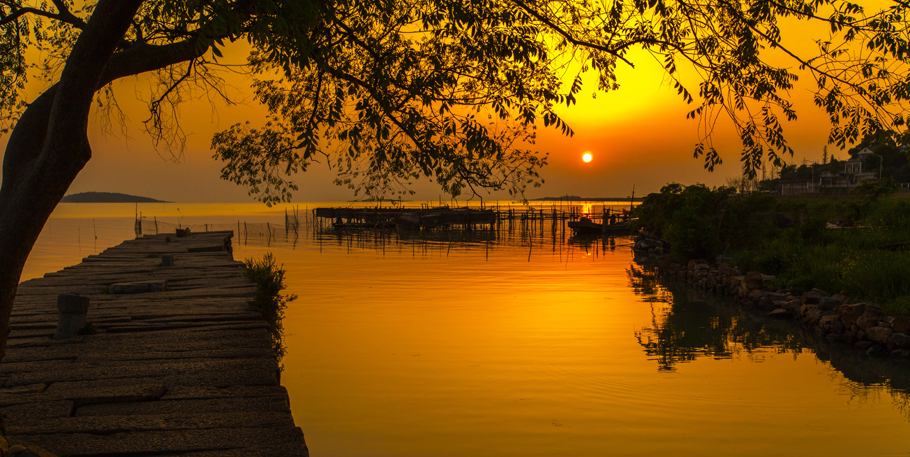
{"points": [[189, 370]]}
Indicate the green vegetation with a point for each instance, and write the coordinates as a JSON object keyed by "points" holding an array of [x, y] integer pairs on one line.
{"points": [[866, 256], [270, 301]]}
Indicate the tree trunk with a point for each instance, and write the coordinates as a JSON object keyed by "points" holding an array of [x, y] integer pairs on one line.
{"points": [[49, 146]]}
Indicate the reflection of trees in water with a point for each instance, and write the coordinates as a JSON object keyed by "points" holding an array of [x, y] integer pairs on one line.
{"points": [[867, 378], [686, 325]]}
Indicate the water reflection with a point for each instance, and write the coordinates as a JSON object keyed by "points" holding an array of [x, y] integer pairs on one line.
{"points": [[687, 324]]}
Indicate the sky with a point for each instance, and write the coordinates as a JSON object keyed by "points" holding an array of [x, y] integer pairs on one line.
{"points": [[638, 136]]}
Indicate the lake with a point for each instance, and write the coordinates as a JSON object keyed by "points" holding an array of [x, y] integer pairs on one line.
{"points": [[524, 342]]}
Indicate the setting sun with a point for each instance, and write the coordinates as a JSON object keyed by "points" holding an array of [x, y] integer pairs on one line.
{"points": [[586, 157]]}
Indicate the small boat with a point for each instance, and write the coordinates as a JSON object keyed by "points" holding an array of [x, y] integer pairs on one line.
{"points": [[586, 226]]}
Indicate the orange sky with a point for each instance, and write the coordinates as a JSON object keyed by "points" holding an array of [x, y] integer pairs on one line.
{"points": [[638, 136]]}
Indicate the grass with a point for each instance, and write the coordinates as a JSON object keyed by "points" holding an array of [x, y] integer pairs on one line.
{"points": [[859, 260], [269, 300]]}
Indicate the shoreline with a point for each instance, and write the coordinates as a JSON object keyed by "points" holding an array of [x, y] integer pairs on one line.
{"points": [[837, 319]]}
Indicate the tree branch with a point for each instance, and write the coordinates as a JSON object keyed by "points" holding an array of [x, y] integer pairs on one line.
{"points": [[63, 16], [568, 36]]}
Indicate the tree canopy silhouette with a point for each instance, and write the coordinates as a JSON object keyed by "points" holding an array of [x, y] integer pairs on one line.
{"points": [[390, 90]]}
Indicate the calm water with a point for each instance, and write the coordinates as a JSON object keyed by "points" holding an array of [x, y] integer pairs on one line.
{"points": [[523, 343]]}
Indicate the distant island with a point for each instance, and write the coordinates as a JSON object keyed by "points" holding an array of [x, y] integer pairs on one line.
{"points": [[106, 197], [576, 198]]}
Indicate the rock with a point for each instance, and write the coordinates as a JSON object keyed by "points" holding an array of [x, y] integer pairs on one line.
{"points": [[901, 353], [812, 297], [812, 315], [900, 324], [794, 306], [696, 263], [73, 309], [832, 338], [753, 280], [879, 334], [902, 340], [821, 292], [876, 350], [167, 260], [780, 313], [863, 345], [874, 311], [850, 313], [838, 327], [828, 303], [826, 323], [866, 323]]}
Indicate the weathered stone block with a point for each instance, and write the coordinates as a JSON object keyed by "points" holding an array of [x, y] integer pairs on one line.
{"points": [[812, 297], [73, 310], [753, 280], [863, 345], [850, 313], [879, 334], [902, 340], [876, 350], [866, 323], [828, 303], [900, 324], [827, 322], [167, 260], [780, 313], [874, 311]]}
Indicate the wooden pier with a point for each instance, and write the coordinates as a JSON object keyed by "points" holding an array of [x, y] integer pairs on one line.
{"points": [[186, 370], [426, 217]]}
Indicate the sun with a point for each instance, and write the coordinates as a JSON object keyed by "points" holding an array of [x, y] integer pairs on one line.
{"points": [[587, 157]]}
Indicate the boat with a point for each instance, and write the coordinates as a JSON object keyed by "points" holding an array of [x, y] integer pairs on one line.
{"points": [[585, 226]]}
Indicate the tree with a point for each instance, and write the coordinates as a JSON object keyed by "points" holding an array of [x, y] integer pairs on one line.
{"points": [[389, 90]]}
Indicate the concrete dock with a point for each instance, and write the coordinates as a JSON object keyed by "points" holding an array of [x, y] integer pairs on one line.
{"points": [[188, 370]]}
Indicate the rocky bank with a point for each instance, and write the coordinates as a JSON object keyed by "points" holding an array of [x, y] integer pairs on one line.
{"points": [[835, 318]]}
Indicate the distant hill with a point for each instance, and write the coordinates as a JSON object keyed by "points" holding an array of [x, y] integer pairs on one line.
{"points": [[106, 197]]}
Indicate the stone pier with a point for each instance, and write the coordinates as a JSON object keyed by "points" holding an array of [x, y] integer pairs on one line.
{"points": [[182, 365]]}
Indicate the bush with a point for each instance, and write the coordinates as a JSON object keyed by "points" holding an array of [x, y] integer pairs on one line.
{"points": [[269, 300], [862, 261]]}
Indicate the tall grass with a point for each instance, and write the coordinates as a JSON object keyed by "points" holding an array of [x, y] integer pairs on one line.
{"points": [[270, 301]]}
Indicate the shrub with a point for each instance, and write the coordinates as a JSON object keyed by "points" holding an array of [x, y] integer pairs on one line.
{"points": [[269, 300]]}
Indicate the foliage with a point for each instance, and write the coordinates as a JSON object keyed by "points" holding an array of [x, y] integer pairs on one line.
{"points": [[389, 91], [699, 222], [269, 300]]}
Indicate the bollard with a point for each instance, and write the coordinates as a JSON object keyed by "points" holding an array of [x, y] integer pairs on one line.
{"points": [[73, 309], [167, 260]]}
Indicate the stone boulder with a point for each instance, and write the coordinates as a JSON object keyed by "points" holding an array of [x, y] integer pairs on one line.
{"points": [[850, 313], [828, 303], [902, 340], [900, 324], [879, 334]]}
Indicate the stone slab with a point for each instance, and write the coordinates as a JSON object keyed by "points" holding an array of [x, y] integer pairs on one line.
{"points": [[185, 370]]}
